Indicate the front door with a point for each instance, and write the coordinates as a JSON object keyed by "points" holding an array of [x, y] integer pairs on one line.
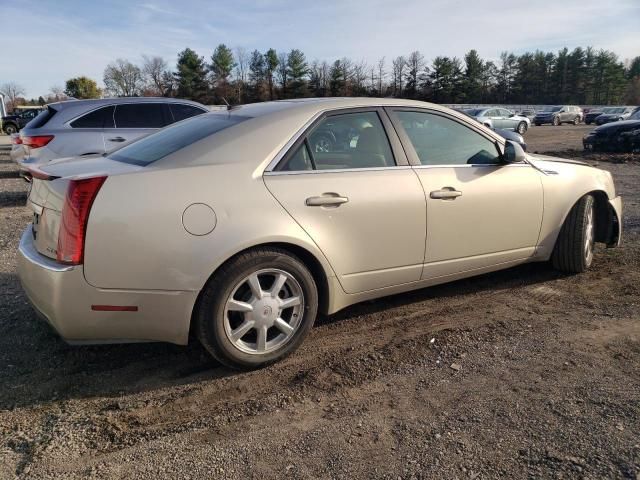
{"points": [[479, 212], [343, 186]]}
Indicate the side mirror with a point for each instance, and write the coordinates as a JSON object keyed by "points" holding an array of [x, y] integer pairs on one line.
{"points": [[513, 152]]}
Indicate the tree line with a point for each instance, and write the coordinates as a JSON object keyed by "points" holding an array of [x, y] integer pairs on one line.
{"points": [[583, 76]]}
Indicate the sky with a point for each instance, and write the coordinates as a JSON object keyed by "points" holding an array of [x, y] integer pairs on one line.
{"points": [[55, 40]]}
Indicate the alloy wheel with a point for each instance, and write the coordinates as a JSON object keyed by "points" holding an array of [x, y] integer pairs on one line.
{"points": [[263, 311], [589, 233]]}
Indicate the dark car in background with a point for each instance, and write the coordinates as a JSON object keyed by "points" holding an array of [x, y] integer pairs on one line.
{"points": [[618, 136], [593, 113], [18, 119], [529, 113], [615, 114], [559, 114]]}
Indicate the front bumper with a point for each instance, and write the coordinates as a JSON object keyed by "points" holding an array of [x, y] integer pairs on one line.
{"points": [[61, 295]]}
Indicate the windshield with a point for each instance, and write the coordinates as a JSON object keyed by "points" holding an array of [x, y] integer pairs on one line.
{"points": [[636, 115], [551, 109], [171, 139], [616, 110], [474, 112]]}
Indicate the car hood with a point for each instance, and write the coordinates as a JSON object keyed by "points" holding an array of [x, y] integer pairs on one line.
{"points": [[544, 158], [621, 125], [9, 117]]}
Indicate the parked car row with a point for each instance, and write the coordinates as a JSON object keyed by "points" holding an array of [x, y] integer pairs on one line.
{"points": [[241, 226], [559, 114], [618, 136]]}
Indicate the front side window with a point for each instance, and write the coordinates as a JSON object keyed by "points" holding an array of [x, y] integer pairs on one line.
{"points": [[100, 118], [140, 115], [344, 141], [439, 140]]}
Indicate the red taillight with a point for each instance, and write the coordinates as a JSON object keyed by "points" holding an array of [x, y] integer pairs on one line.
{"points": [[37, 141], [16, 140], [75, 213]]}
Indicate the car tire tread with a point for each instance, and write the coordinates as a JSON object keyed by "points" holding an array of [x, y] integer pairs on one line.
{"points": [[568, 254]]}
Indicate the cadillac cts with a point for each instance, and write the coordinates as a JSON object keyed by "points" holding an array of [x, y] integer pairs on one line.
{"points": [[243, 225]]}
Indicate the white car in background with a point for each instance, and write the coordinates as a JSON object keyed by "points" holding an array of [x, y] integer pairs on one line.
{"points": [[499, 118], [88, 127]]}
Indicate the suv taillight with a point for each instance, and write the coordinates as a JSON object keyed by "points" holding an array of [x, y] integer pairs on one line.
{"points": [[37, 141], [75, 214], [16, 140]]}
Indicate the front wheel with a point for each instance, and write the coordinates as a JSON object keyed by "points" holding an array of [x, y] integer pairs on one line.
{"points": [[257, 309], [576, 120], [10, 129], [573, 251], [522, 128], [556, 121]]}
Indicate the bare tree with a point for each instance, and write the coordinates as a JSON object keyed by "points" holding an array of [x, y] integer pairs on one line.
{"points": [[415, 65], [13, 91], [381, 75], [398, 68], [157, 76], [358, 76], [56, 94], [122, 78], [242, 64]]}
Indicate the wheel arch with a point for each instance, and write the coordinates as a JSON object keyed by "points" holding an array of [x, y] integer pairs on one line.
{"points": [[311, 261], [605, 216]]}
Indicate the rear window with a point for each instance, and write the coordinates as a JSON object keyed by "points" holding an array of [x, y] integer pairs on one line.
{"points": [[173, 138], [140, 115], [100, 118], [44, 116], [181, 111]]}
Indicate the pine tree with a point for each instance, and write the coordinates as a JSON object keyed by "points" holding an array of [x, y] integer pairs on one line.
{"points": [[191, 77]]}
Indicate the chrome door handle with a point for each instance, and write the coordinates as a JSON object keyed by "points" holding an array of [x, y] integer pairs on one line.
{"points": [[446, 193], [326, 200], [117, 139]]}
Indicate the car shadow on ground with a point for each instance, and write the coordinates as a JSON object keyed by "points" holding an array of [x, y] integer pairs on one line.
{"points": [[37, 367], [10, 174]]}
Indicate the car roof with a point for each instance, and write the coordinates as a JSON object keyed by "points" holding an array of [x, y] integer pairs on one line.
{"points": [[313, 106], [96, 102]]}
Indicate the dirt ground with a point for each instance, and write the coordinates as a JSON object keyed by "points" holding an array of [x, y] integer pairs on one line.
{"points": [[524, 373]]}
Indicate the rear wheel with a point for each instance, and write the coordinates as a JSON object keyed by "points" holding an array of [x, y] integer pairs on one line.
{"points": [[538, 124], [574, 247], [576, 120], [10, 129], [257, 309], [522, 128], [556, 121]]}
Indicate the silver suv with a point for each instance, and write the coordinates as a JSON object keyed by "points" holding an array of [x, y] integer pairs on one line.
{"points": [[89, 127]]}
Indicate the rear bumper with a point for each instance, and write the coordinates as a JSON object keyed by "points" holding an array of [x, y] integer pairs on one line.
{"points": [[63, 297]]}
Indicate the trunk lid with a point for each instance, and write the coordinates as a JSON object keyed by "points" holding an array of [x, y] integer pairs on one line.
{"points": [[47, 196]]}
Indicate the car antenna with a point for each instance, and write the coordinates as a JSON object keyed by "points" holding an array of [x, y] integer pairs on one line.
{"points": [[229, 107]]}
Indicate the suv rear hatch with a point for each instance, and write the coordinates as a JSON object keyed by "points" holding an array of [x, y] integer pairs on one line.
{"points": [[49, 194]]}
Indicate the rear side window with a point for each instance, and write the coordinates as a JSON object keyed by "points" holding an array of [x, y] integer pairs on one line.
{"points": [[180, 111], [140, 115], [343, 141], [100, 118], [173, 138], [41, 120]]}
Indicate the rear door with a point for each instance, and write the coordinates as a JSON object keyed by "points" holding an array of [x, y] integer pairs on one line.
{"points": [[135, 120], [347, 183]]}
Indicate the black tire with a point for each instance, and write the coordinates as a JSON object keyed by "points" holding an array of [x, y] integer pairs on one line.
{"points": [[538, 124], [556, 121], [588, 122], [10, 129], [211, 316], [571, 253], [522, 128]]}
